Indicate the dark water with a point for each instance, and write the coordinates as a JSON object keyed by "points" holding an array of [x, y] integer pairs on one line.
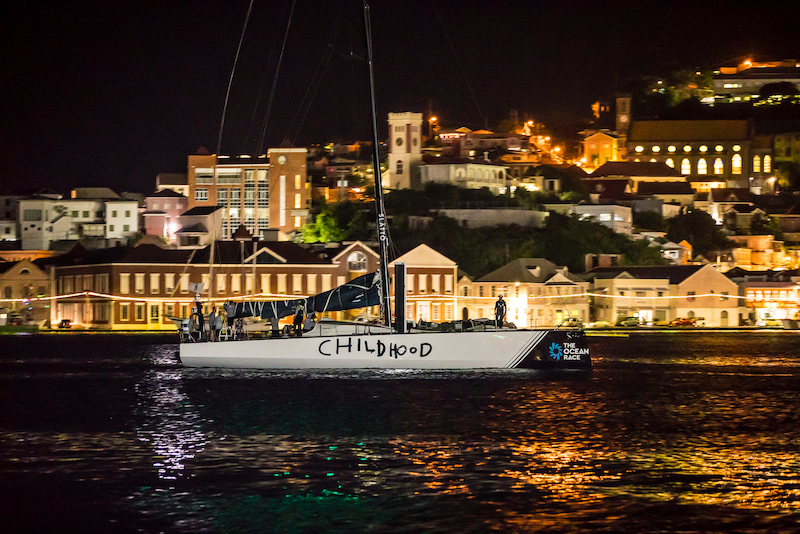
{"points": [[689, 432]]}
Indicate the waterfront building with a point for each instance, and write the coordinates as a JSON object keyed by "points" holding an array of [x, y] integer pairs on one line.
{"points": [[663, 293], [140, 288], [20, 281], [270, 191], [538, 293], [430, 285]]}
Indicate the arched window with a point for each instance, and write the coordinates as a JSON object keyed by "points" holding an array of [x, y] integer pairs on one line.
{"points": [[670, 162], [686, 166], [690, 315], [357, 261], [702, 166], [719, 167], [767, 163], [756, 164], [736, 164], [399, 168]]}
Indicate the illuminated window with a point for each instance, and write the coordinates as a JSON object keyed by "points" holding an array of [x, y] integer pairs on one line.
{"points": [[719, 148], [756, 164], [687, 148], [767, 163], [297, 184], [670, 162], [639, 148], [686, 166], [736, 164], [736, 148], [297, 222], [201, 194], [671, 148], [297, 201], [703, 148], [719, 167], [399, 168], [702, 166], [656, 149]]}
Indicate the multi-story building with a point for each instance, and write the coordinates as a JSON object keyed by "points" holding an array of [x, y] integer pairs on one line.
{"points": [[696, 147], [537, 293], [787, 147], [664, 293], [101, 222], [162, 211], [638, 172], [430, 285], [20, 281], [745, 81], [466, 173], [270, 191]]}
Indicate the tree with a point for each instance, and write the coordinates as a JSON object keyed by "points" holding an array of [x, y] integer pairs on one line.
{"points": [[337, 222], [649, 220], [699, 229]]}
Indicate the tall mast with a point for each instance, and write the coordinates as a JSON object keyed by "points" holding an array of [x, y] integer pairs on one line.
{"points": [[380, 210]]}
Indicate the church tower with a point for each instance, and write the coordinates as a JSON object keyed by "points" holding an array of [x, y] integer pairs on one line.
{"points": [[405, 151], [623, 124]]}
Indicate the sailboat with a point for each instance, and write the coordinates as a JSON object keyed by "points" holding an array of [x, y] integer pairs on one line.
{"points": [[391, 344]]}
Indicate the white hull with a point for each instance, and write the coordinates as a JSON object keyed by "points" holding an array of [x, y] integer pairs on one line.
{"points": [[502, 349]]}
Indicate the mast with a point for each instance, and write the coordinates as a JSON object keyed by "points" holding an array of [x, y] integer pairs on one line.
{"points": [[380, 210]]}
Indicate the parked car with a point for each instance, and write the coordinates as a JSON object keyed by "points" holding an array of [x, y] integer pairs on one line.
{"points": [[771, 323], [65, 323], [599, 324], [683, 321], [627, 321], [573, 322], [14, 319]]}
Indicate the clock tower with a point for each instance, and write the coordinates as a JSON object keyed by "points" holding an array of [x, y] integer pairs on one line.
{"points": [[623, 123], [405, 151]]}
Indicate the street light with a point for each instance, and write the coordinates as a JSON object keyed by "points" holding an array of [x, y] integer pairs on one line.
{"points": [[431, 122]]}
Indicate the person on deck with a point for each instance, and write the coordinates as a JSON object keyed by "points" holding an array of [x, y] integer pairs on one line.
{"points": [[500, 311], [298, 321], [201, 321], [310, 322], [213, 333], [230, 309]]}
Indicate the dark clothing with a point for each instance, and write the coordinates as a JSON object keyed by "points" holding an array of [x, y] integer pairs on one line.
{"points": [[500, 311], [298, 323]]}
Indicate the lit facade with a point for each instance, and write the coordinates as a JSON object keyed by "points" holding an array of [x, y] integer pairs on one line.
{"points": [[259, 193], [405, 151]]}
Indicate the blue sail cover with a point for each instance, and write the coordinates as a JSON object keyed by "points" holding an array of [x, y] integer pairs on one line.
{"points": [[361, 292]]}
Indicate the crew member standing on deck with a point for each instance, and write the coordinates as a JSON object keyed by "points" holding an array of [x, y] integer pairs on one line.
{"points": [[500, 311], [201, 321], [298, 321]]}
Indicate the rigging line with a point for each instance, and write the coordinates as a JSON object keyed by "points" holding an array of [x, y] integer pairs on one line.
{"points": [[275, 80], [230, 79], [460, 67], [315, 83], [185, 267], [260, 92]]}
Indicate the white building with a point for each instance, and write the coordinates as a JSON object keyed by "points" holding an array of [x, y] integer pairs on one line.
{"points": [[469, 174], [107, 222], [618, 218]]}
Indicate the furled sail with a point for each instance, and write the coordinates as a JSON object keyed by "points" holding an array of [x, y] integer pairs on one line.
{"points": [[361, 292]]}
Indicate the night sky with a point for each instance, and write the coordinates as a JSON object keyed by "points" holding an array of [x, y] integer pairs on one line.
{"points": [[112, 93]]}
